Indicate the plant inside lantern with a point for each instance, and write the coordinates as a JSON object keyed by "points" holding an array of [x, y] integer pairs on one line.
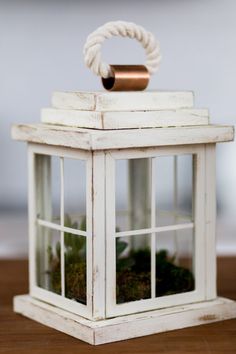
{"points": [[75, 263], [134, 274], [133, 270]]}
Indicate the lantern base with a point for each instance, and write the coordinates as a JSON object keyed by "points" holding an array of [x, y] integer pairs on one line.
{"points": [[125, 327]]}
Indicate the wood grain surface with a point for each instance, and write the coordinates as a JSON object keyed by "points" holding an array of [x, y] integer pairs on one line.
{"points": [[21, 335], [94, 139], [122, 101]]}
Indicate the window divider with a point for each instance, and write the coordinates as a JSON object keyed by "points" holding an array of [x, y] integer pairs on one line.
{"points": [[155, 230], [175, 204], [153, 225], [62, 225], [59, 227]]}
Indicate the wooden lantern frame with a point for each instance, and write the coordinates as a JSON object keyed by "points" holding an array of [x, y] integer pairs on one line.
{"points": [[102, 305], [202, 173], [102, 320]]}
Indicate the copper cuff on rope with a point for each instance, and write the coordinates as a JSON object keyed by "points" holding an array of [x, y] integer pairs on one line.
{"points": [[127, 78]]}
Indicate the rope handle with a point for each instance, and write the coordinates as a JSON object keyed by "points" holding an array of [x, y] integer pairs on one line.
{"points": [[92, 47]]}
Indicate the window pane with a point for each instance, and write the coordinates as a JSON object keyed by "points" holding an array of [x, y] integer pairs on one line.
{"points": [[174, 262], [185, 186], [174, 175], [133, 268], [75, 193], [133, 201], [48, 264], [48, 188], [75, 267]]}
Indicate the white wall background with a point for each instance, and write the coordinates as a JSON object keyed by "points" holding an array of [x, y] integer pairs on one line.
{"points": [[41, 51]]}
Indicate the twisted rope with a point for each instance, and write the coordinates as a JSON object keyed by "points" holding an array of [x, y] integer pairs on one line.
{"points": [[92, 47]]}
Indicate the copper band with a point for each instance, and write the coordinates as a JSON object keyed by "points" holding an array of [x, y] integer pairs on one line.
{"points": [[127, 78]]}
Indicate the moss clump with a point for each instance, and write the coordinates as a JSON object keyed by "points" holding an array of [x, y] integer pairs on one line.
{"points": [[75, 280], [75, 264], [171, 278], [133, 275]]}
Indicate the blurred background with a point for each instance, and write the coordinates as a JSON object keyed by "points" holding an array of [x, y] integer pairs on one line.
{"points": [[41, 46]]}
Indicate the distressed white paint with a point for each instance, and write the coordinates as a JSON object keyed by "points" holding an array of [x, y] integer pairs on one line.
{"points": [[62, 217], [111, 231], [153, 229], [153, 225], [35, 290], [210, 230], [44, 207], [101, 253], [175, 205], [199, 250], [99, 235], [125, 120], [100, 149], [31, 217], [59, 227], [126, 327], [122, 101], [74, 100], [198, 294], [72, 118], [89, 139], [89, 230]]}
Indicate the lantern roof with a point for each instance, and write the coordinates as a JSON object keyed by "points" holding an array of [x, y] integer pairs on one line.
{"points": [[116, 120]]}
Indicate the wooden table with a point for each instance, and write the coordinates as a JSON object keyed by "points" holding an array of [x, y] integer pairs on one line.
{"points": [[21, 335]]}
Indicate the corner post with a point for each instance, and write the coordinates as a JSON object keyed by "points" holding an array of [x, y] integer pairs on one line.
{"points": [[98, 234], [210, 217]]}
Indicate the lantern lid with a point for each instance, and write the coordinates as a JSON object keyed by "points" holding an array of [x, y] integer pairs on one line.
{"points": [[102, 101], [92, 139], [124, 110], [117, 120]]}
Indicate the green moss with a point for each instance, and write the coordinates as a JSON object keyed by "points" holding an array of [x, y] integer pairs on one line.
{"points": [[75, 264], [133, 276]]}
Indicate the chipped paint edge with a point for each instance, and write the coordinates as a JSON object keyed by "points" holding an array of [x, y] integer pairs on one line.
{"points": [[125, 327]]}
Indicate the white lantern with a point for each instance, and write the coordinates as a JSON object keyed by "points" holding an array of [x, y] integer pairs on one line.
{"points": [[102, 274], [122, 209]]}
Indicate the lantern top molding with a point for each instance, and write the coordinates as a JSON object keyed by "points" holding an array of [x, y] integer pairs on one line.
{"points": [[117, 120]]}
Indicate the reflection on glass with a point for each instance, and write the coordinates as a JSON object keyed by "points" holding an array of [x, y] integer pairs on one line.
{"points": [[55, 189], [174, 175], [132, 194], [133, 268], [48, 187], [48, 255], [48, 264], [75, 193]]}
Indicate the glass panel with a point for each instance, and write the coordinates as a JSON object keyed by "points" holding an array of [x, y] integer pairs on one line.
{"points": [[75, 267], [122, 196], [174, 262], [56, 186], [48, 188], [48, 264], [173, 189], [75, 193], [133, 201], [133, 268], [185, 187]]}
